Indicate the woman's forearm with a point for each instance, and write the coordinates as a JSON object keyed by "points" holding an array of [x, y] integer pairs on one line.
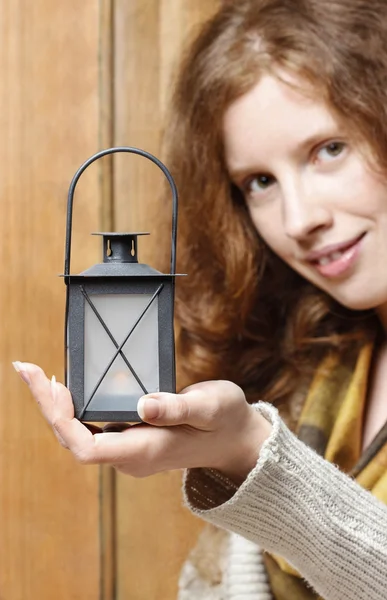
{"points": [[300, 506]]}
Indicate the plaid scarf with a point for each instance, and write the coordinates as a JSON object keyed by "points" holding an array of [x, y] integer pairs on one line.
{"points": [[331, 422]]}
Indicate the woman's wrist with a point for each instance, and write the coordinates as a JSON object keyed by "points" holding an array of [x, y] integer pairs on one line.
{"points": [[245, 448]]}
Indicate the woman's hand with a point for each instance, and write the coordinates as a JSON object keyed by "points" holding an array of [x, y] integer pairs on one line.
{"points": [[208, 424]]}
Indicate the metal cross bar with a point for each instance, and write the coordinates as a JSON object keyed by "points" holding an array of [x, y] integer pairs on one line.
{"points": [[119, 349], [100, 319]]}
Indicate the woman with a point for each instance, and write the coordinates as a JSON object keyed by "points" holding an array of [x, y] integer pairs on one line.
{"points": [[279, 148]]}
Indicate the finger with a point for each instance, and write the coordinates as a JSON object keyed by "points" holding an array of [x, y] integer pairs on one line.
{"points": [[39, 385], [76, 436], [195, 407], [103, 447], [55, 403]]}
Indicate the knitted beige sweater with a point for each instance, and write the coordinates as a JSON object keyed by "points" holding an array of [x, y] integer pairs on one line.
{"points": [[297, 505]]}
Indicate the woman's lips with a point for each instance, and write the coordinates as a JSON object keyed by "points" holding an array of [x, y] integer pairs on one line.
{"points": [[339, 260]]}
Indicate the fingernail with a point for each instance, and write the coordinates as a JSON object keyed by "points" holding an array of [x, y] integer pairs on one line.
{"points": [[22, 370], [148, 408], [53, 387]]}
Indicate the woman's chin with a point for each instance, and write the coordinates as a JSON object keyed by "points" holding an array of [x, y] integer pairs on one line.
{"points": [[362, 302]]}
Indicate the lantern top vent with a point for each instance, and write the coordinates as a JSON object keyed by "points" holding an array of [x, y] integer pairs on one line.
{"points": [[120, 247], [119, 257]]}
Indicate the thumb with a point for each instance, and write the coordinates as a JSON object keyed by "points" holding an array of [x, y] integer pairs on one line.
{"points": [[165, 409]]}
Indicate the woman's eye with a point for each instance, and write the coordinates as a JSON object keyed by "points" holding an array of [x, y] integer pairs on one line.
{"points": [[331, 151], [258, 184]]}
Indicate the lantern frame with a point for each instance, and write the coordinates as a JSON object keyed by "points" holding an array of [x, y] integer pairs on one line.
{"points": [[117, 278]]}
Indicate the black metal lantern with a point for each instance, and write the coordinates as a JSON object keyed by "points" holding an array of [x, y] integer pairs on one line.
{"points": [[119, 333]]}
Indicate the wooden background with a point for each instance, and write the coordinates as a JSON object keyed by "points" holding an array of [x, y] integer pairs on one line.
{"points": [[76, 77]]}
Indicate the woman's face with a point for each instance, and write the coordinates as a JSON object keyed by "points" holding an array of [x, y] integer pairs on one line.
{"points": [[310, 191]]}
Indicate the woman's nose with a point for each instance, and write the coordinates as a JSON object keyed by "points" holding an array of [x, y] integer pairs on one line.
{"points": [[304, 212]]}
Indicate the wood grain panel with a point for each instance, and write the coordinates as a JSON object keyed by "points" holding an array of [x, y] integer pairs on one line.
{"points": [[49, 115], [154, 532], [106, 135]]}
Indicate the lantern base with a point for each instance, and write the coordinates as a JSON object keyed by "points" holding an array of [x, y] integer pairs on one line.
{"points": [[109, 416], [111, 407]]}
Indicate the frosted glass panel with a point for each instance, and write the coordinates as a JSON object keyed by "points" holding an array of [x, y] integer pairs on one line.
{"points": [[119, 389]]}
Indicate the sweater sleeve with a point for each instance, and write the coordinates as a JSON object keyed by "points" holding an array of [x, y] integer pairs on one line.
{"points": [[301, 507]]}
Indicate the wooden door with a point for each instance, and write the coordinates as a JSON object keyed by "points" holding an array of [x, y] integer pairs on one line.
{"points": [[77, 77]]}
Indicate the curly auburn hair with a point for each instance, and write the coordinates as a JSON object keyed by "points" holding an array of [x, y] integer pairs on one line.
{"points": [[242, 314]]}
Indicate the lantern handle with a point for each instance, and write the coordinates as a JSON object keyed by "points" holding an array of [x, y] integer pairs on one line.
{"points": [[75, 180]]}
